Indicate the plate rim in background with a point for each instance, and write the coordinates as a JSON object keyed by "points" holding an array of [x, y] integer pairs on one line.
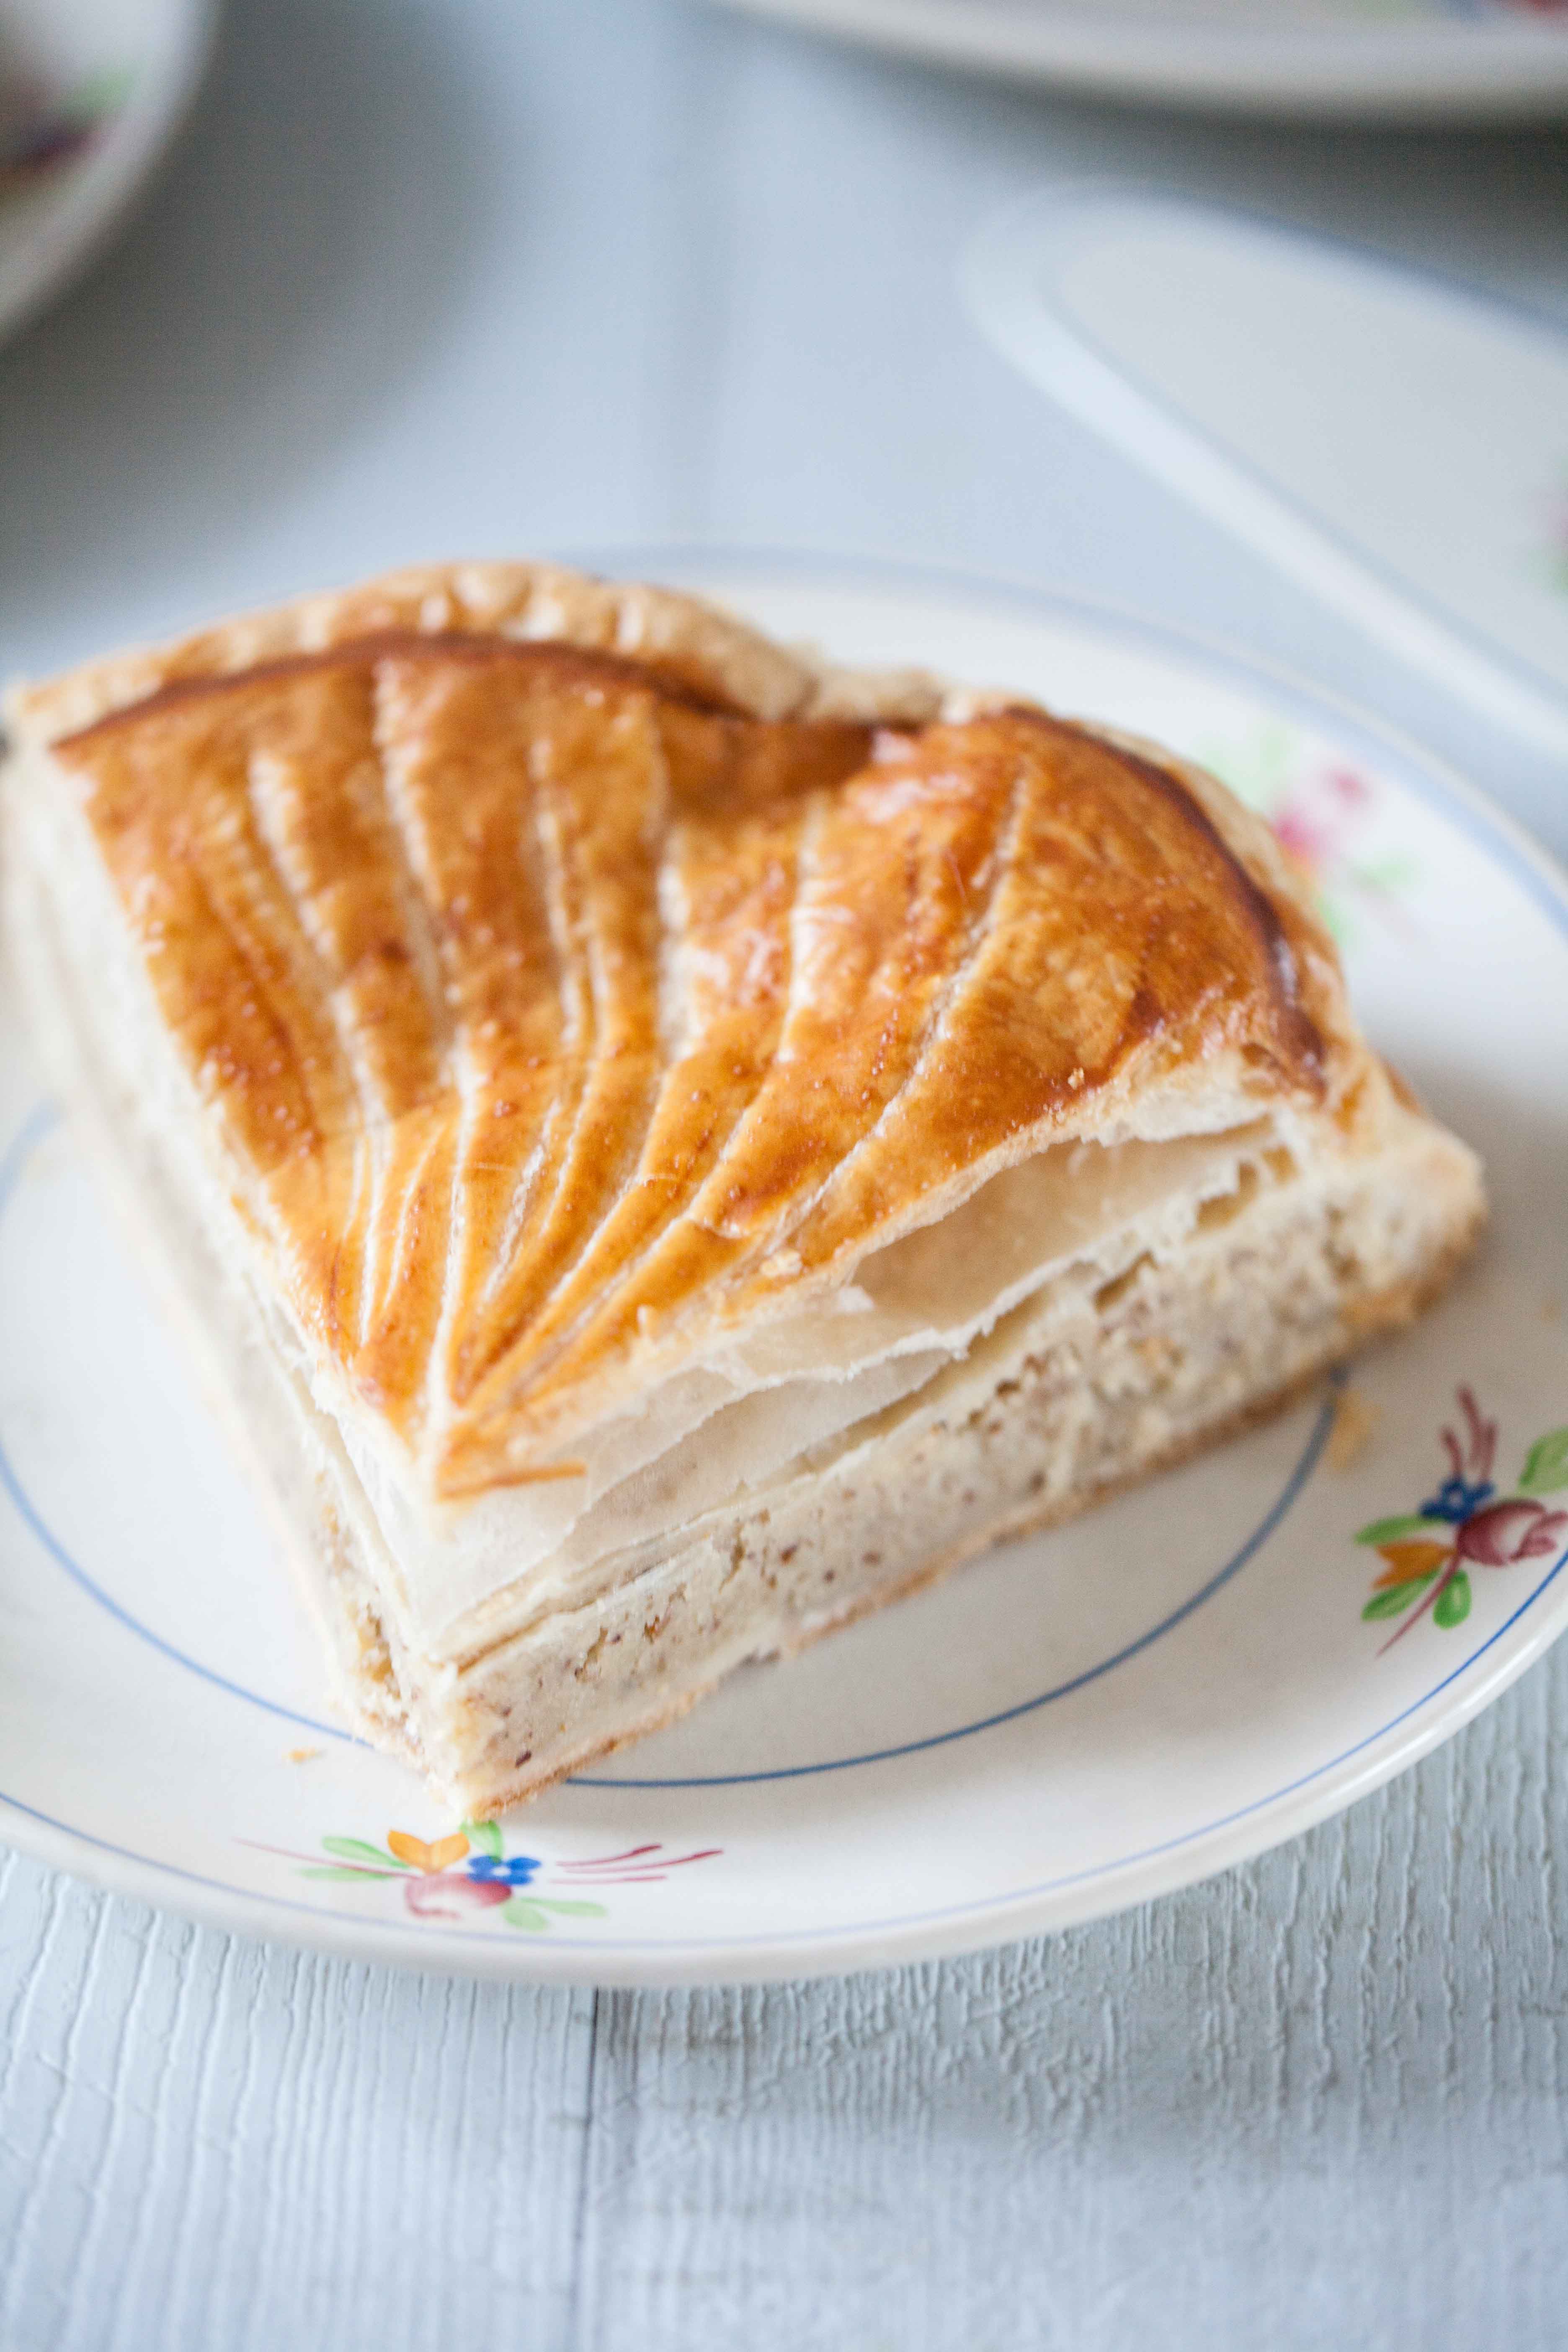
{"points": [[1482, 70], [73, 219]]}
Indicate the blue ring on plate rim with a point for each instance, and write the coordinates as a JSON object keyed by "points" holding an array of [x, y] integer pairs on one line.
{"points": [[41, 1122], [431, 1939]]}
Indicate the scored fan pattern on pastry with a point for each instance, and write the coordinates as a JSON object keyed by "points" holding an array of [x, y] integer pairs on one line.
{"points": [[549, 1005]]}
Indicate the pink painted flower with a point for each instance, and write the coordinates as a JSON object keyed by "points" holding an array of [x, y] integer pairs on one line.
{"points": [[1298, 836], [443, 1895], [1506, 1532]]}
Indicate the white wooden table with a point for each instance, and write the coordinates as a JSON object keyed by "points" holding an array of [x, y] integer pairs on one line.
{"points": [[433, 275]]}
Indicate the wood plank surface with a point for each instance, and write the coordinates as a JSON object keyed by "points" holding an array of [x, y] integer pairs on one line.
{"points": [[209, 2142], [1323, 2099], [1317, 2101]]}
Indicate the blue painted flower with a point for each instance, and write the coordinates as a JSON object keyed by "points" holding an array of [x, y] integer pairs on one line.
{"points": [[509, 1870], [1456, 1497]]}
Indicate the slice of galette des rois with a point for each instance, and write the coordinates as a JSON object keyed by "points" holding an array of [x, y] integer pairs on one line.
{"points": [[664, 1144]]}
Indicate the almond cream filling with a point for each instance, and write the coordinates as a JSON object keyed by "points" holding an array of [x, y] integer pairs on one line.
{"points": [[1064, 1223]]}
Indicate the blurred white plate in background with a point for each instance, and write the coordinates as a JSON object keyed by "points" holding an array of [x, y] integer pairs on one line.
{"points": [[91, 92], [1395, 443], [1408, 58]]}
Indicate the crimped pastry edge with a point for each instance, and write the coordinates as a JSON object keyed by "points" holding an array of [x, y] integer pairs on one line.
{"points": [[536, 601]]}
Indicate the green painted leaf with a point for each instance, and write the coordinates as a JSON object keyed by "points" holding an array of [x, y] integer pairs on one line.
{"points": [[325, 1870], [356, 1849], [484, 1837], [1384, 873], [578, 1910], [1390, 1530], [1452, 1605], [98, 94], [520, 1913], [1395, 1597], [1547, 1468]]}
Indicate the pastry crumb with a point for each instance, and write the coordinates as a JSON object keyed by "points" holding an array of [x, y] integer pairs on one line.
{"points": [[1355, 1421], [302, 1755]]}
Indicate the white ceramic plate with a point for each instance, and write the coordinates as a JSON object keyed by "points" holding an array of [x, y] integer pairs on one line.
{"points": [[1396, 442], [1414, 58], [1078, 1722], [93, 91]]}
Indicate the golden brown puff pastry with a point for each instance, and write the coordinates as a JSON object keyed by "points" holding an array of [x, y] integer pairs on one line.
{"points": [[666, 1139]]}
